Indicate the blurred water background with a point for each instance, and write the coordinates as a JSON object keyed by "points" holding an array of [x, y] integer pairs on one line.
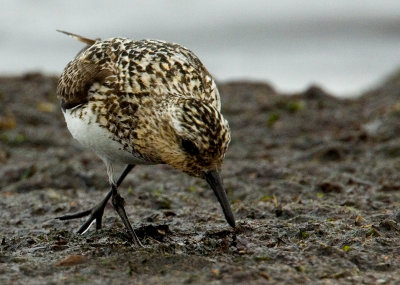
{"points": [[346, 46]]}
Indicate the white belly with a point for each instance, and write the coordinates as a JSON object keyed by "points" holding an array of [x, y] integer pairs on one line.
{"points": [[91, 135]]}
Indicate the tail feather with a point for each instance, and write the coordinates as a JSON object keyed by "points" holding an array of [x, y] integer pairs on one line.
{"points": [[78, 37]]}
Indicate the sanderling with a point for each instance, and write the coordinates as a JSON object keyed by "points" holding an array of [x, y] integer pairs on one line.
{"points": [[144, 102]]}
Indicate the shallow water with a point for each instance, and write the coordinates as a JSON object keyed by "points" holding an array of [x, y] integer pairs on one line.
{"points": [[346, 47]]}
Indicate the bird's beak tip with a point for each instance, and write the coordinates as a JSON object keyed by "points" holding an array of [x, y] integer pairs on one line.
{"points": [[214, 180]]}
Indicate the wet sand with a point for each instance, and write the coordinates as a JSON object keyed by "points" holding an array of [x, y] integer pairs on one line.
{"points": [[313, 180]]}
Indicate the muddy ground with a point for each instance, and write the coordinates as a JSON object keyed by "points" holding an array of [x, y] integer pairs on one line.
{"points": [[314, 183]]}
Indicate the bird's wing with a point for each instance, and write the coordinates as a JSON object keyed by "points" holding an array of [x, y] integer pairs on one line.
{"points": [[77, 78], [136, 67], [79, 38]]}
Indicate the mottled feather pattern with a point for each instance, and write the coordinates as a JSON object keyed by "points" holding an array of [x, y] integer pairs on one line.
{"points": [[197, 118], [130, 85], [75, 84], [144, 102], [143, 66]]}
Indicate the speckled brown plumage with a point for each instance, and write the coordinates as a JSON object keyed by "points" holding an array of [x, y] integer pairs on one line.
{"points": [[145, 102], [129, 85], [135, 67]]}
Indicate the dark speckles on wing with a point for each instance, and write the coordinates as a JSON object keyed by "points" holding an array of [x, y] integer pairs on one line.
{"points": [[74, 85], [119, 76]]}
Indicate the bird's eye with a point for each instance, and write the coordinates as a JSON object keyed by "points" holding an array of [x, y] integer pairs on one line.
{"points": [[189, 147]]}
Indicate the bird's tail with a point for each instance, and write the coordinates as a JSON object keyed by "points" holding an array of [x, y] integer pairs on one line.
{"points": [[79, 38]]}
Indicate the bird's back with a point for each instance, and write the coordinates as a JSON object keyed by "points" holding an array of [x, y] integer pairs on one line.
{"points": [[120, 88], [123, 67]]}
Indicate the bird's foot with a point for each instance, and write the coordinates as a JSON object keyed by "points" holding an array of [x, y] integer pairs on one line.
{"points": [[96, 213]]}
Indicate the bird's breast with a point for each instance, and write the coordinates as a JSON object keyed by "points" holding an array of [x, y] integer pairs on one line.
{"points": [[84, 127]]}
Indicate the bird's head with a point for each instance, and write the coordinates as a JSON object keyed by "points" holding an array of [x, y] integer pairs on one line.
{"points": [[195, 138], [201, 137]]}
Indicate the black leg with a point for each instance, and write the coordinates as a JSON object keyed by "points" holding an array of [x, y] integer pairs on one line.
{"points": [[96, 213], [118, 203]]}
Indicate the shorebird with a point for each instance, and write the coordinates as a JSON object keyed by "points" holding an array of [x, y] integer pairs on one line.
{"points": [[144, 102]]}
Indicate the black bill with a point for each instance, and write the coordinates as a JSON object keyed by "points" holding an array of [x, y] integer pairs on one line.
{"points": [[213, 178]]}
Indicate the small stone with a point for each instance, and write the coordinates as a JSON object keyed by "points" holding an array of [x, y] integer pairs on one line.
{"points": [[329, 187], [7, 122], [46, 107], [72, 260]]}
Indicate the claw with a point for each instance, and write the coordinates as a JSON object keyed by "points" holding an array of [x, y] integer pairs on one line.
{"points": [[96, 213], [74, 216], [118, 203]]}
